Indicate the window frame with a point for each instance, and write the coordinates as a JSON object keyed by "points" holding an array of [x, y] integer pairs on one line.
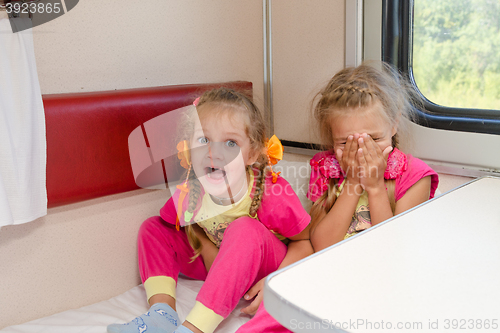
{"points": [[397, 42]]}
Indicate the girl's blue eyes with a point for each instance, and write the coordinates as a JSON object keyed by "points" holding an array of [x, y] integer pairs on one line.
{"points": [[230, 143]]}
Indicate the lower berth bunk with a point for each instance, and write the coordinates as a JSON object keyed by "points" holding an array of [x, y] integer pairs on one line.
{"points": [[121, 309]]}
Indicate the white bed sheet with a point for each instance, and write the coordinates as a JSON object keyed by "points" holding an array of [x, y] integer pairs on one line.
{"points": [[121, 309]]}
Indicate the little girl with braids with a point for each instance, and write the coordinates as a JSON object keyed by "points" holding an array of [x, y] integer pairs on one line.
{"points": [[224, 223], [362, 178]]}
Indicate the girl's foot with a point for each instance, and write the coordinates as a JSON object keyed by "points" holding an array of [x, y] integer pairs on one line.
{"points": [[160, 318]]}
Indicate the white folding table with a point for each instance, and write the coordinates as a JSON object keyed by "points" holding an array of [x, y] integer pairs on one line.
{"points": [[434, 268]]}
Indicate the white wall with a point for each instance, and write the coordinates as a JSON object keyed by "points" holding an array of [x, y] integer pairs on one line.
{"points": [[117, 44], [308, 49]]}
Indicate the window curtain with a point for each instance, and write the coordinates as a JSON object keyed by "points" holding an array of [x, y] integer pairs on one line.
{"points": [[23, 194]]}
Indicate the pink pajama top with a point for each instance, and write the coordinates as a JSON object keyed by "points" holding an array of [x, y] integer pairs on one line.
{"points": [[280, 210]]}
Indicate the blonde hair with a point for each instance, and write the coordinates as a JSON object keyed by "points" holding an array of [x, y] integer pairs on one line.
{"points": [[351, 90], [230, 103]]}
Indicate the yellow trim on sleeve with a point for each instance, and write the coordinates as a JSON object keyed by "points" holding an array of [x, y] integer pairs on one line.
{"points": [[204, 318], [159, 285]]}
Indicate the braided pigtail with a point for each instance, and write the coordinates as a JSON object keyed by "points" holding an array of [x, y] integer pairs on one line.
{"points": [[260, 181], [323, 205], [354, 96], [194, 195]]}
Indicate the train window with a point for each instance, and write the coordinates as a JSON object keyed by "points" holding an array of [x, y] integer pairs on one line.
{"points": [[456, 46], [450, 50]]}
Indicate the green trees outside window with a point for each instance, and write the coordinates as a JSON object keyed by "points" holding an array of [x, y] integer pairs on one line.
{"points": [[456, 52]]}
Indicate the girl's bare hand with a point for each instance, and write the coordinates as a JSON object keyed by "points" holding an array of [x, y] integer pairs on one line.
{"points": [[256, 291], [348, 159], [372, 163]]}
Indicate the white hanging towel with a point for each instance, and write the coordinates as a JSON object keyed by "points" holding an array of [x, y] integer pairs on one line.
{"points": [[23, 194]]}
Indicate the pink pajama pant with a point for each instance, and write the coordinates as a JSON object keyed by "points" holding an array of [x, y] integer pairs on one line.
{"points": [[249, 252]]}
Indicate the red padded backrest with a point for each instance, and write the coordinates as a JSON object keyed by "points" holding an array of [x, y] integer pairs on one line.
{"points": [[87, 136]]}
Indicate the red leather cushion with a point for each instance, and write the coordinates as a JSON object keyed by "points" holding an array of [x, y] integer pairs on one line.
{"points": [[87, 136]]}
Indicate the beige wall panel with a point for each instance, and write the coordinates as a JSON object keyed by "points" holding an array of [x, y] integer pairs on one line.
{"points": [[308, 48], [372, 30], [77, 255], [119, 44]]}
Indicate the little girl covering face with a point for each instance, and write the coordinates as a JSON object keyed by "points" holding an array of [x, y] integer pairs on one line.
{"points": [[363, 178], [224, 223]]}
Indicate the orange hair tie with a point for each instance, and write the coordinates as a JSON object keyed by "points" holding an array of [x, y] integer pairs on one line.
{"points": [[274, 152], [183, 155]]}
